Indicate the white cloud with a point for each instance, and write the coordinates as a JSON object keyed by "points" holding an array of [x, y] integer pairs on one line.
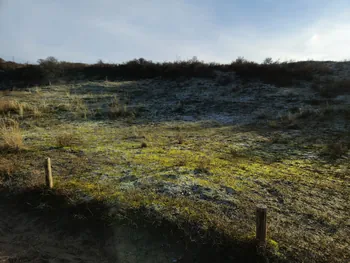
{"points": [[323, 40], [159, 30]]}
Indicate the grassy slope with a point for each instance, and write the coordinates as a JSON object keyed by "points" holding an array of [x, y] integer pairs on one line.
{"points": [[205, 173]]}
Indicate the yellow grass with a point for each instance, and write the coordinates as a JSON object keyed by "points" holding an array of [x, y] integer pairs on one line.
{"points": [[10, 135]]}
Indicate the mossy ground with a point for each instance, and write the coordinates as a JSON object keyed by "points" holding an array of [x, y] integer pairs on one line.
{"points": [[205, 173]]}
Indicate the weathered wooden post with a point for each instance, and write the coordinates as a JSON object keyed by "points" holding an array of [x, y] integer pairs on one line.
{"points": [[48, 171], [261, 229]]}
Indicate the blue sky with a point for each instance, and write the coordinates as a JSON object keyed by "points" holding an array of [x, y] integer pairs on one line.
{"points": [[165, 30]]}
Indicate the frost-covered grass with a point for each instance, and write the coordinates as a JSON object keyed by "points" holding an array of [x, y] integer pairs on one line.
{"points": [[201, 173]]}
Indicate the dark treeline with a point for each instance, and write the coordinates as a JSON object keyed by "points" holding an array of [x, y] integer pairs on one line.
{"points": [[50, 70]]}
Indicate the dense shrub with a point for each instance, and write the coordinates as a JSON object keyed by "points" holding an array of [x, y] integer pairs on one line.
{"points": [[276, 73], [50, 70], [28, 75], [329, 87]]}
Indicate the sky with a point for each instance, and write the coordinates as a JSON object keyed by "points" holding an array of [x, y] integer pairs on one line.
{"points": [[166, 30]]}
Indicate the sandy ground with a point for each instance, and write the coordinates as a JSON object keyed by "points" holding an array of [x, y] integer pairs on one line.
{"points": [[25, 237], [32, 231]]}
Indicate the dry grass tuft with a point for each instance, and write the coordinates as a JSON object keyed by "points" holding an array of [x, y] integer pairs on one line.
{"points": [[118, 109], [7, 168], [79, 107], [36, 112], [11, 106], [6, 92], [67, 139], [180, 138], [10, 135]]}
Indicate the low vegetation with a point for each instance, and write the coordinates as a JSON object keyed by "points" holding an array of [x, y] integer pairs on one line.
{"points": [[67, 139], [7, 168], [337, 149], [11, 106], [118, 109], [194, 152], [332, 87], [10, 135]]}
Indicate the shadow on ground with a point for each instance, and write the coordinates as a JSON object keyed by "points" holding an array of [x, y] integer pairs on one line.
{"points": [[43, 226]]}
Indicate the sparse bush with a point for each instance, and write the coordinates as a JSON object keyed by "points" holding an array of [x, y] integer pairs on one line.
{"points": [[143, 145], [36, 112], [11, 106], [330, 88], [234, 153], [67, 139], [10, 135], [15, 107], [5, 93], [306, 112], [179, 107], [314, 102], [279, 138], [272, 124], [7, 168], [181, 160], [224, 80], [78, 107], [336, 149], [295, 115], [37, 91], [118, 109], [290, 120], [315, 85], [262, 114], [347, 113], [203, 165], [340, 87], [179, 138]]}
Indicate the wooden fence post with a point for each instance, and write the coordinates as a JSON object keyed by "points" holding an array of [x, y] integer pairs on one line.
{"points": [[261, 228], [48, 171]]}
